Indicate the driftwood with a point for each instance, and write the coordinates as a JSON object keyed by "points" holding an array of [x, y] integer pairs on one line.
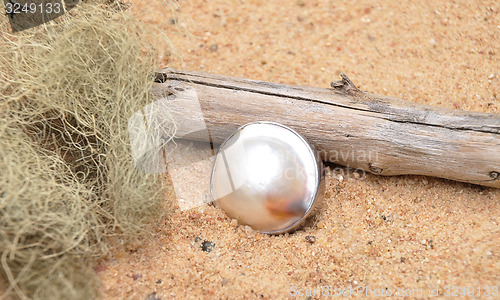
{"points": [[379, 134]]}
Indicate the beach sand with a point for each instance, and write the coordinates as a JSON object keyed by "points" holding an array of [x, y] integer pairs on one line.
{"points": [[403, 235]]}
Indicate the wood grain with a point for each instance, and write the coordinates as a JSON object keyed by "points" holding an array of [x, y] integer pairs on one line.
{"points": [[379, 134]]}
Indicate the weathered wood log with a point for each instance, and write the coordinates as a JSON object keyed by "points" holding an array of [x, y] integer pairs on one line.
{"points": [[379, 134]]}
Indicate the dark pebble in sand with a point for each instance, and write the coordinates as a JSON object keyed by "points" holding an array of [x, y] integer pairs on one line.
{"points": [[207, 246], [136, 276], [311, 239]]}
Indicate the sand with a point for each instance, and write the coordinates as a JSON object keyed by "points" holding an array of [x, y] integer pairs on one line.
{"points": [[410, 236], [403, 235]]}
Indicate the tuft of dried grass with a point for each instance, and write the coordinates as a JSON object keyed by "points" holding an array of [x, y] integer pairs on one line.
{"points": [[68, 181]]}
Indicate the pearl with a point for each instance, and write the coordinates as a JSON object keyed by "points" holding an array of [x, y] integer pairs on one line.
{"points": [[267, 176]]}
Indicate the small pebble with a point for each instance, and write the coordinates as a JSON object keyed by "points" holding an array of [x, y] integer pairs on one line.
{"points": [[153, 296], [136, 276], [100, 268], [197, 239], [321, 224], [249, 231], [225, 281], [194, 216], [158, 281], [214, 48], [402, 259], [311, 239], [133, 246], [207, 246]]}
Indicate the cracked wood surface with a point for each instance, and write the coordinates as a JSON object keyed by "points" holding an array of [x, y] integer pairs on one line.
{"points": [[379, 134]]}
